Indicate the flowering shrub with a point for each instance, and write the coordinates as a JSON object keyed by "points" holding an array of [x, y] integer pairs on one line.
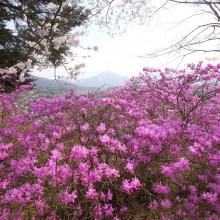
{"points": [[148, 150]]}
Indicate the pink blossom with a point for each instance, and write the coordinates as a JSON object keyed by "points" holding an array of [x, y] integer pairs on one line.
{"points": [[95, 176], [112, 172], [108, 210], [56, 135], [129, 186], [180, 165], [155, 149], [4, 184], [60, 146], [101, 128], [126, 186], [91, 194], [153, 205], [98, 210], [211, 198], [68, 197], [161, 189], [56, 155], [214, 187], [85, 127], [193, 189], [103, 196], [41, 206], [129, 167], [166, 203], [105, 139], [79, 152], [109, 195]]}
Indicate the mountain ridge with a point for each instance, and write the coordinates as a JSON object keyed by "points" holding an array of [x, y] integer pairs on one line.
{"points": [[101, 81], [105, 79]]}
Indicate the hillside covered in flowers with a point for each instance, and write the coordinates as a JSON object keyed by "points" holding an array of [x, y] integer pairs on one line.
{"points": [[147, 150]]}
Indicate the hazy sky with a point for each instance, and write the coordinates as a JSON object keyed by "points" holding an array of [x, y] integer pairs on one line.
{"points": [[120, 54]]}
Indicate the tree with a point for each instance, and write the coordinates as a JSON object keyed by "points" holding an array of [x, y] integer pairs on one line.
{"points": [[202, 37], [40, 35], [198, 39], [43, 28]]}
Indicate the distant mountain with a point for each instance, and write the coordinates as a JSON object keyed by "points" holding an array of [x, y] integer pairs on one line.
{"points": [[104, 80], [52, 83], [51, 87]]}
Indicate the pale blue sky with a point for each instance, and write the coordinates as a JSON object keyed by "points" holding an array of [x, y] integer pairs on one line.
{"points": [[120, 54]]}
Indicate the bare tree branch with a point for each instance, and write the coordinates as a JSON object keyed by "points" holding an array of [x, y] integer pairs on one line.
{"points": [[195, 2], [212, 8]]}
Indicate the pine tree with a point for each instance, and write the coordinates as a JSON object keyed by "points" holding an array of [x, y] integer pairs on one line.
{"points": [[28, 31]]}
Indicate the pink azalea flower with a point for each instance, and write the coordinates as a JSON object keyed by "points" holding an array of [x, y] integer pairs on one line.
{"points": [[153, 205], [101, 128], [85, 127], [129, 186], [91, 194], [129, 167], [105, 139], [69, 198], [166, 204], [161, 189]]}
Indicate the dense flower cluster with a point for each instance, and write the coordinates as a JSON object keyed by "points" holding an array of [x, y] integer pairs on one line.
{"points": [[148, 150]]}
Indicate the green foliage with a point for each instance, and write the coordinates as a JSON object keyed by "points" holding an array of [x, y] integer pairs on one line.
{"points": [[20, 22]]}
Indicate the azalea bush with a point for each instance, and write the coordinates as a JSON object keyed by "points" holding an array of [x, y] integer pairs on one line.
{"points": [[148, 150]]}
